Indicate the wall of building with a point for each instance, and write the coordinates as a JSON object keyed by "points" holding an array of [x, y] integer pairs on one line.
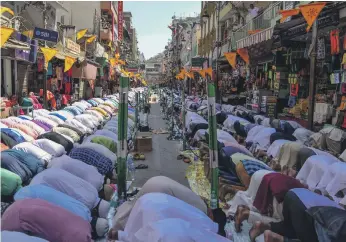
{"points": [[83, 14]]}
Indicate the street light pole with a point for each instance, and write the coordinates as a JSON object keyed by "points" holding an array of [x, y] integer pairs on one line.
{"points": [[217, 50], [46, 64]]}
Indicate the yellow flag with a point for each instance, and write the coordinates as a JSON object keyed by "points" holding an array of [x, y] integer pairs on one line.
{"points": [[4, 9], [311, 11], [110, 44], [91, 39], [48, 55], [121, 62], [117, 56], [208, 71], [5, 34], [202, 73], [69, 61], [231, 58], [81, 33], [28, 33], [191, 75], [344, 59], [112, 61]]}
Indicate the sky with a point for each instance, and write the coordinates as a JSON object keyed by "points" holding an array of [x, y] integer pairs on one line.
{"points": [[152, 18]]}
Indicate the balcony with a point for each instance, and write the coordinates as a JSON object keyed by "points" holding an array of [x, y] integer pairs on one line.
{"points": [[226, 11], [106, 34], [263, 24], [109, 7]]}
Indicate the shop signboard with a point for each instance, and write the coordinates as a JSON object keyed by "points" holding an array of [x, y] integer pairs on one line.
{"points": [[72, 46], [26, 55], [46, 34], [197, 63], [120, 20]]}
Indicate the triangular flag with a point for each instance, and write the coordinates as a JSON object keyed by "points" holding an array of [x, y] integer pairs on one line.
{"points": [[28, 33], [191, 75], [208, 71], [231, 58], [117, 56], [288, 13], [5, 35], [81, 33], [112, 61], [202, 73], [69, 61], [4, 9], [244, 55], [91, 39], [48, 55], [110, 44], [311, 11]]}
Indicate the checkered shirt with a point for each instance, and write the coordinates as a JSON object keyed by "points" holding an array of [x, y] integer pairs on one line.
{"points": [[91, 157], [252, 166]]}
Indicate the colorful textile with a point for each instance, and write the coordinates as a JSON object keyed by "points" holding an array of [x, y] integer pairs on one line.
{"points": [[10, 182], [69, 184], [55, 197], [246, 168], [75, 123], [18, 236], [106, 142], [50, 147], [103, 164], [273, 185], [30, 148], [10, 137], [43, 125], [58, 138], [68, 132], [40, 218], [78, 168], [59, 116]]}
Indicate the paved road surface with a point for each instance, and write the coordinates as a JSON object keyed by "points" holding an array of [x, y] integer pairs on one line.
{"points": [[163, 159]]}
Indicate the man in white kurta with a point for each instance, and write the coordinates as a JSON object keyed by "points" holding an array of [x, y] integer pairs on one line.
{"points": [[153, 209]]}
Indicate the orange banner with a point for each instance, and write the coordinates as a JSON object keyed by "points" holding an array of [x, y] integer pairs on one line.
{"points": [[202, 73], [231, 58], [311, 11], [251, 32], [208, 71], [191, 75], [288, 13], [244, 55], [69, 61]]}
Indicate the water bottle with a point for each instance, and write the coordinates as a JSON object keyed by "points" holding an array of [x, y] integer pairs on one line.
{"points": [[131, 168]]}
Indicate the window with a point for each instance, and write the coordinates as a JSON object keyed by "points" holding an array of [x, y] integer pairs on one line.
{"points": [[62, 19]]}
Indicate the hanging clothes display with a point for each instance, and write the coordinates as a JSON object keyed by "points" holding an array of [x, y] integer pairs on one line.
{"points": [[334, 41]]}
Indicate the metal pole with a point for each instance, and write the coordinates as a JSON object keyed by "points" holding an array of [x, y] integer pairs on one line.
{"points": [[217, 49], [122, 136], [183, 114], [137, 109], [172, 115], [312, 84], [213, 155], [46, 65]]}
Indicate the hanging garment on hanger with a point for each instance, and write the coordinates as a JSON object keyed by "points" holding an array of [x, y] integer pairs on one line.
{"points": [[334, 41], [294, 90]]}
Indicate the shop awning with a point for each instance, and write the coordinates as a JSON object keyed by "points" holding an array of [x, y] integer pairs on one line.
{"points": [[259, 37], [85, 70]]}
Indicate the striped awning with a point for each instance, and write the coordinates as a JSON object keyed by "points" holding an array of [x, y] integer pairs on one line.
{"points": [[255, 38]]}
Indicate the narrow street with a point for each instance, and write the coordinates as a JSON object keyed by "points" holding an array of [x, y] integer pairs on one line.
{"points": [[163, 158]]}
